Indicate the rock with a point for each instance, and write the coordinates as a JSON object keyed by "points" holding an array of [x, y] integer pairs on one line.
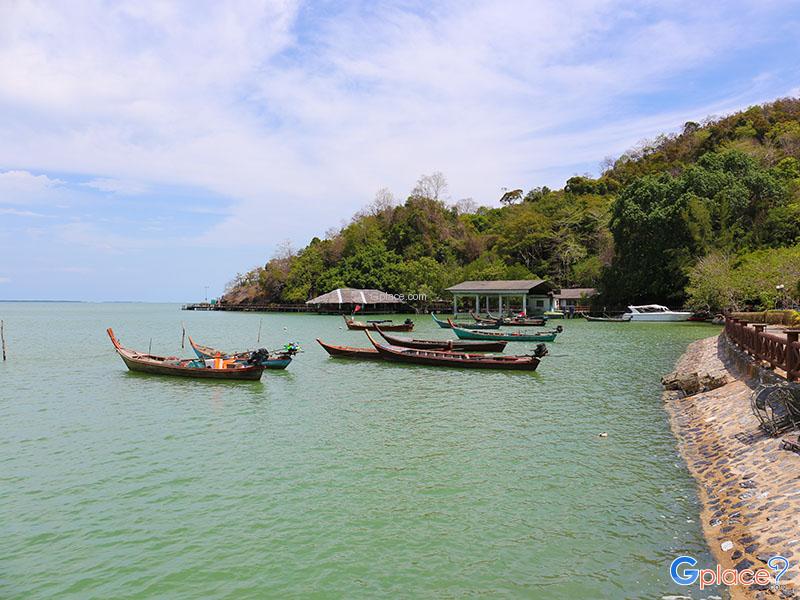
{"points": [[726, 545], [743, 564], [603, 435]]}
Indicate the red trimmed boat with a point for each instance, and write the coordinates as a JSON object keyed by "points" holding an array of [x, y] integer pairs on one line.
{"points": [[444, 345], [386, 325], [350, 351], [217, 368], [527, 362]]}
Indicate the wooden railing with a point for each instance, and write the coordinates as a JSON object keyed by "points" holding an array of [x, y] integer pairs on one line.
{"points": [[780, 352]]}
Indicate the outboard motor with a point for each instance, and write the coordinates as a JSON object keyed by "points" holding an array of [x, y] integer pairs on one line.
{"points": [[408, 322], [258, 356], [559, 329], [540, 351]]}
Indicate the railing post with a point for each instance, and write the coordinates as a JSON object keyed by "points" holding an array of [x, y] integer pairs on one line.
{"points": [[758, 350], [791, 364]]}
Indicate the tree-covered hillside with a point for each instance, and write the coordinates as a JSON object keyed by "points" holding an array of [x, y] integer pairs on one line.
{"points": [[709, 217]]}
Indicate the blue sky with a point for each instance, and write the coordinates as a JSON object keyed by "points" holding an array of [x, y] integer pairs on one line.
{"points": [[150, 149]]}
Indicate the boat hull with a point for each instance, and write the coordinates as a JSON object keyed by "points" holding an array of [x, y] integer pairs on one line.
{"points": [[476, 325], [445, 345], [466, 334], [607, 319], [360, 326], [241, 374], [350, 351], [276, 363], [455, 359], [658, 317]]}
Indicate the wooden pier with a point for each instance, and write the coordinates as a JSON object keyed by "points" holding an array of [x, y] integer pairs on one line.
{"points": [[428, 307]]}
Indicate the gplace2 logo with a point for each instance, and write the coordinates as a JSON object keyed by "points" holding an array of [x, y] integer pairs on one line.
{"points": [[719, 576]]}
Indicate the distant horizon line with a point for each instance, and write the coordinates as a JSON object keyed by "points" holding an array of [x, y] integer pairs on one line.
{"points": [[93, 301]]}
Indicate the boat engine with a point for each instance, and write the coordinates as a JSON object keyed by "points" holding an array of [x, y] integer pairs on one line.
{"points": [[559, 328], [258, 356], [540, 351], [408, 322]]}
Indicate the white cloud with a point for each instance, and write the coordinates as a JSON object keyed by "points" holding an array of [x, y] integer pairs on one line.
{"points": [[20, 213], [118, 186], [5, 280], [22, 187], [299, 114]]}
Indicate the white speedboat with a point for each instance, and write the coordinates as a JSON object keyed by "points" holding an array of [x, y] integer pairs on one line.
{"points": [[655, 312]]}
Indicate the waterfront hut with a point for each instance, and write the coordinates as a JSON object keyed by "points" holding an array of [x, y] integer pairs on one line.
{"points": [[576, 299], [345, 301], [531, 296]]}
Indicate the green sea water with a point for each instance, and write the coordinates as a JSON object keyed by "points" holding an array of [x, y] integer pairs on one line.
{"points": [[335, 479]]}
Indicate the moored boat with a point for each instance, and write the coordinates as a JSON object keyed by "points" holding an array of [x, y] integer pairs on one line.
{"points": [[278, 359], [508, 336], [526, 362], [554, 314], [386, 325], [655, 313], [444, 345], [607, 319], [349, 351], [519, 321], [447, 324], [216, 368]]}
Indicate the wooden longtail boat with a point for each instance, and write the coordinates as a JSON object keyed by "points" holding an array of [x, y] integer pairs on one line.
{"points": [[520, 321], [350, 351], [445, 345], [275, 360], [446, 324], [510, 336], [608, 319], [216, 368], [459, 359], [354, 325]]}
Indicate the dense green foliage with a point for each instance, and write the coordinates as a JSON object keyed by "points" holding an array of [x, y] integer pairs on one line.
{"points": [[709, 216]]}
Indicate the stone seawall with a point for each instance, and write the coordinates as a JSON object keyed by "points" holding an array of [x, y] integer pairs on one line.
{"points": [[748, 485]]}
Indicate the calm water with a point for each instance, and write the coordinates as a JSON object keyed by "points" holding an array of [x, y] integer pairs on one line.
{"points": [[334, 479]]}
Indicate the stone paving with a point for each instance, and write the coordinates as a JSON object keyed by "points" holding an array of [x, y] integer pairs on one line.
{"points": [[749, 486]]}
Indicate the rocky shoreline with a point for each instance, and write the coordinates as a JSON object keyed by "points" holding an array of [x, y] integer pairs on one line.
{"points": [[748, 485]]}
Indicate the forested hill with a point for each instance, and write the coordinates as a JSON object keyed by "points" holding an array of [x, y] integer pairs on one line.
{"points": [[709, 217]]}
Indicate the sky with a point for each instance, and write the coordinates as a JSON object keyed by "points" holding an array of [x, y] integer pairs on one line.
{"points": [[149, 149]]}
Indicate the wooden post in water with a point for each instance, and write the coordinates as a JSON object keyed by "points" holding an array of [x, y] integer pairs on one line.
{"points": [[3, 338], [183, 333], [258, 341]]}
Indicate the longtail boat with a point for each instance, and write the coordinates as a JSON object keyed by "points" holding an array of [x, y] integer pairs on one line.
{"points": [[517, 321], [445, 345], [527, 362], [278, 359], [608, 319], [446, 324], [386, 325], [508, 336], [216, 368], [350, 351]]}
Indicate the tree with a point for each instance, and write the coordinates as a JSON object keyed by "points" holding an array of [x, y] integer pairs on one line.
{"points": [[433, 187], [511, 196]]}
